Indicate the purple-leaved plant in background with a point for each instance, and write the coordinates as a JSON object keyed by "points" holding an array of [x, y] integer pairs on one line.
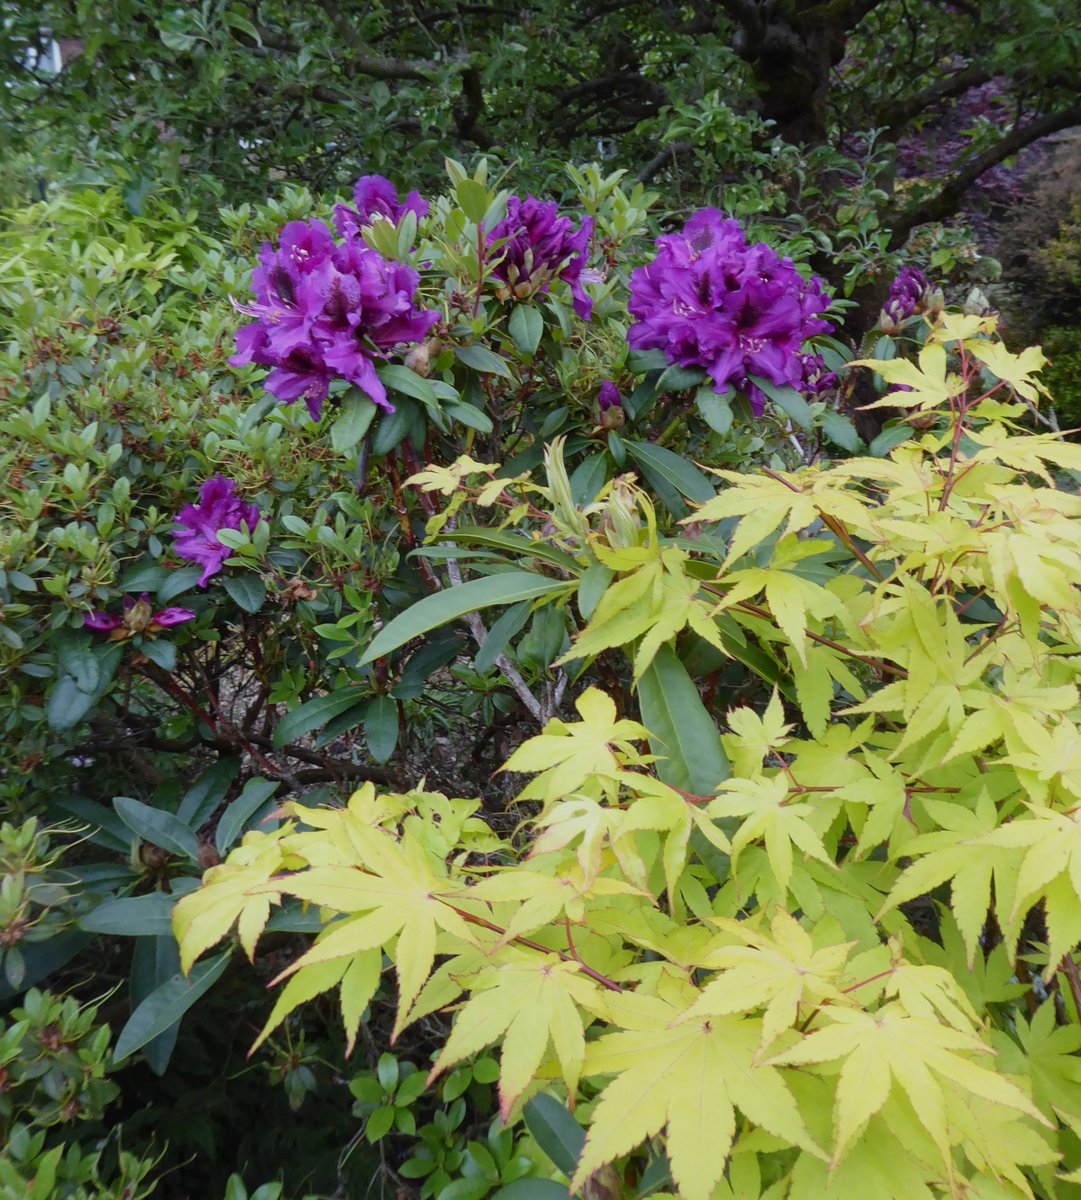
{"points": [[376, 197], [710, 300], [540, 246], [218, 508], [327, 311], [138, 617]]}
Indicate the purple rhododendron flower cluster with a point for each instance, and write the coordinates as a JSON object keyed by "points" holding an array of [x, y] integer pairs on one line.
{"points": [[375, 197], [218, 508], [906, 294], [712, 301], [541, 246], [138, 617], [326, 310]]}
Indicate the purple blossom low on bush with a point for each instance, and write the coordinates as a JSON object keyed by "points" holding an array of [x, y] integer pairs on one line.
{"points": [[138, 617], [540, 246], [710, 300], [218, 508], [906, 294], [324, 311], [376, 197]]}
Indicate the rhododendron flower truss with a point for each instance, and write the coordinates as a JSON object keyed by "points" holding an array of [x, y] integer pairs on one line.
{"points": [[376, 198], [734, 310], [326, 311], [540, 246], [138, 617], [906, 294], [218, 508]]}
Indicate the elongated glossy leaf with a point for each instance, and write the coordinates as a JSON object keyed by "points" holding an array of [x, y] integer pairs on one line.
{"points": [[500, 633], [207, 792], [526, 326], [482, 359], [381, 728], [68, 704], [556, 1132], [787, 399], [684, 476], [167, 1003], [255, 793], [514, 543], [680, 728], [157, 827], [248, 591], [716, 409], [401, 379], [532, 1189], [352, 422], [431, 612], [178, 582], [133, 916], [312, 714], [841, 431], [105, 827]]}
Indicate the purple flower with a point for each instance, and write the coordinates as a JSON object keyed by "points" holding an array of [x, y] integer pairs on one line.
{"points": [[608, 396], [540, 246], [138, 618], [326, 311], [815, 375], [376, 198], [906, 295], [710, 300], [218, 508]]}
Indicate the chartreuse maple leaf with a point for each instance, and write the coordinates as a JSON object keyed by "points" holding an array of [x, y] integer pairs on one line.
{"points": [[769, 812], [541, 899], [357, 979], [763, 502], [887, 1050], [957, 852], [650, 606], [1015, 369], [780, 973], [754, 738], [929, 384], [1046, 1054], [1046, 848], [688, 1077], [790, 597], [392, 889], [531, 1001], [237, 890], [567, 753]]}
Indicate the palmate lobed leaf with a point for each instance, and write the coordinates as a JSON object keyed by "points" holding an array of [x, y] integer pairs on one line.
{"points": [[530, 1000], [688, 1078]]}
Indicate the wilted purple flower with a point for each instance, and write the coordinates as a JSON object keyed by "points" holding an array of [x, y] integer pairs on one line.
{"points": [[541, 246], [138, 618], [376, 197], [710, 300], [218, 508], [327, 311]]}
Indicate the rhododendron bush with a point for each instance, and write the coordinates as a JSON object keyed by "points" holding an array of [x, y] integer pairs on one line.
{"points": [[748, 638]]}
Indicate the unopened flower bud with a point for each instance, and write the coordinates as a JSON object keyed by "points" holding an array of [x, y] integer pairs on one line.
{"points": [[418, 360], [976, 304], [933, 303], [610, 404]]}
